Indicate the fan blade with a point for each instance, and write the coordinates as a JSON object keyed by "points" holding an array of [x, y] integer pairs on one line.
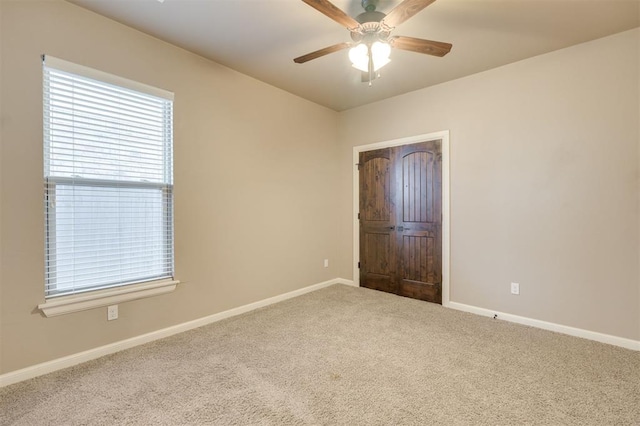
{"points": [[429, 47], [327, 8], [403, 11], [318, 53]]}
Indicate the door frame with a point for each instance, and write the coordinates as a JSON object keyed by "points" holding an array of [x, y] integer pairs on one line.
{"points": [[444, 137]]}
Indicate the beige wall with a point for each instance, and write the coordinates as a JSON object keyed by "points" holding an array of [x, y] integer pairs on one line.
{"points": [[255, 173], [544, 182]]}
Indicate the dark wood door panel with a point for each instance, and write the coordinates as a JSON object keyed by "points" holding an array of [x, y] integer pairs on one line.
{"points": [[418, 187], [380, 282], [377, 258], [378, 261], [377, 190], [419, 259], [421, 291], [401, 220], [377, 215]]}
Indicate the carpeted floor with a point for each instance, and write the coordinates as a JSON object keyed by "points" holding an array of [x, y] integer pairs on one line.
{"points": [[343, 356]]}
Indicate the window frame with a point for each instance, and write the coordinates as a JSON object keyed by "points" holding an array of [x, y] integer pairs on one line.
{"points": [[57, 303]]}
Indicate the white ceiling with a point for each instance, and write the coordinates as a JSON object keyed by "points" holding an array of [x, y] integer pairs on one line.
{"points": [[260, 38]]}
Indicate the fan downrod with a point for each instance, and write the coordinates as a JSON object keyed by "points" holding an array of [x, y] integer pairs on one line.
{"points": [[369, 5]]}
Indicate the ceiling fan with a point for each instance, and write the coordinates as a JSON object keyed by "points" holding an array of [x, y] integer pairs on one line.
{"points": [[371, 35]]}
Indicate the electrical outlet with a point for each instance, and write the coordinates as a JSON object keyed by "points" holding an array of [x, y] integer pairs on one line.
{"points": [[326, 263], [515, 288], [112, 312]]}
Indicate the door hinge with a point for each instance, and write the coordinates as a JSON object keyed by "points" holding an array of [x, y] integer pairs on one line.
{"points": [[358, 216], [358, 265]]}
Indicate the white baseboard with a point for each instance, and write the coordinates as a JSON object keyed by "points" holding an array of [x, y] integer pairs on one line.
{"points": [[571, 331], [78, 358]]}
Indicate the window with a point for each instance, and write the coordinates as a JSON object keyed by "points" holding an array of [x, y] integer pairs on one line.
{"points": [[108, 176]]}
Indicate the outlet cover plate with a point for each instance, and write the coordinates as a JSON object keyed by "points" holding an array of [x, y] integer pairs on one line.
{"points": [[112, 312], [515, 288]]}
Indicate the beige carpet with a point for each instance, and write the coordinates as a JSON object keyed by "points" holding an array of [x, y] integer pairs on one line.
{"points": [[343, 356]]}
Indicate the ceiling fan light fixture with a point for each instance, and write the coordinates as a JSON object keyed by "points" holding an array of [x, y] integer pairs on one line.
{"points": [[359, 57], [379, 51]]}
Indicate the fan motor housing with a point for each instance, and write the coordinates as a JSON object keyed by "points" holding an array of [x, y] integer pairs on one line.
{"points": [[370, 27], [370, 17]]}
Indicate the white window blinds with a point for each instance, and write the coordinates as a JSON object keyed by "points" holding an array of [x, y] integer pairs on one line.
{"points": [[108, 175]]}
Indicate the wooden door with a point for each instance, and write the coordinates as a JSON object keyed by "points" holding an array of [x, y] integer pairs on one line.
{"points": [[401, 220]]}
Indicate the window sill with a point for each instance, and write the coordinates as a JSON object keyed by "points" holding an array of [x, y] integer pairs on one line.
{"points": [[96, 299]]}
